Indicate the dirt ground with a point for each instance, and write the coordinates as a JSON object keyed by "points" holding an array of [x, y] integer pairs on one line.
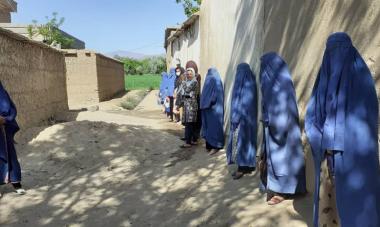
{"points": [[124, 168]]}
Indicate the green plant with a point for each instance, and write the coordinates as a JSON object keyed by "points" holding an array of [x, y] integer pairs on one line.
{"points": [[190, 6], [142, 82], [50, 31], [130, 103]]}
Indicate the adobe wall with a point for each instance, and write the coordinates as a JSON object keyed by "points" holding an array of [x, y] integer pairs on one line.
{"points": [[34, 76]]}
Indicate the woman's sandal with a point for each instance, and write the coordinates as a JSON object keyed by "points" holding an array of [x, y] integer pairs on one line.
{"points": [[194, 143], [20, 191], [237, 175], [213, 151], [185, 146], [275, 200]]}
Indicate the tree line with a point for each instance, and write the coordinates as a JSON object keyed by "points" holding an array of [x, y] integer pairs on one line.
{"points": [[150, 65]]}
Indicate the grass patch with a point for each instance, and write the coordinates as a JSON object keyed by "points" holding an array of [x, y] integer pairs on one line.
{"points": [[130, 103], [140, 82]]}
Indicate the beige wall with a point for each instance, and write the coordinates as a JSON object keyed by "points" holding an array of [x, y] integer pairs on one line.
{"points": [[110, 77], [34, 75], [298, 31], [92, 78], [232, 34], [5, 17], [82, 83]]}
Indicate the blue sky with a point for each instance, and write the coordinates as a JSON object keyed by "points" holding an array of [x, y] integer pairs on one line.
{"points": [[109, 25]]}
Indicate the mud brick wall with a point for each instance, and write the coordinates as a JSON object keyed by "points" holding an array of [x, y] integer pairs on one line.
{"points": [[34, 75]]}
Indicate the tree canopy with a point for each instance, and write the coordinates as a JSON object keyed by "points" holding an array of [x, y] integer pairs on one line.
{"points": [[151, 65], [190, 6], [50, 31]]}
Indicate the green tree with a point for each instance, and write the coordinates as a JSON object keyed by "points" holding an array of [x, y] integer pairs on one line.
{"points": [[50, 31], [151, 65], [190, 6]]}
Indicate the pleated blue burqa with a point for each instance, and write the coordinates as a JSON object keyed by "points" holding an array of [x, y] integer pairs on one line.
{"points": [[243, 119], [282, 134], [212, 109], [10, 171], [342, 117]]}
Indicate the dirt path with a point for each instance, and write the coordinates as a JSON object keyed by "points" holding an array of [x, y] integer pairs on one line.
{"points": [[124, 168]]}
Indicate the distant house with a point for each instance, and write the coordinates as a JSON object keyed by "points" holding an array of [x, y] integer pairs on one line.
{"points": [[183, 42], [9, 6], [6, 8]]}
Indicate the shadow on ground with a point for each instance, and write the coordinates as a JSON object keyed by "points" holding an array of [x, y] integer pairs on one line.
{"points": [[99, 174]]}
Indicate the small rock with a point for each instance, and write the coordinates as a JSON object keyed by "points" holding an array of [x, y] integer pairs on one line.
{"points": [[93, 108]]}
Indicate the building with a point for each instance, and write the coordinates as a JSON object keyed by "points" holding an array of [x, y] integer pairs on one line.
{"points": [[92, 78], [9, 6], [183, 42], [6, 8], [22, 29]]}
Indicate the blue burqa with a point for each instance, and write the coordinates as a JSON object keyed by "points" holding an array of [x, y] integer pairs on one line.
{"points": [[243, 118], [212, 109], [9, 166], [171, 78], [342, 117], [167, 84], [282, 134], [163, 86]]}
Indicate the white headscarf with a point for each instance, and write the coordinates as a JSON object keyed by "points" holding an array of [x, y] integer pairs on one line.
{"points": [[193, 72]]}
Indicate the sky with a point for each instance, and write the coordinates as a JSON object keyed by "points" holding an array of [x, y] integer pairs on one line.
{"points": [[109, 25]]}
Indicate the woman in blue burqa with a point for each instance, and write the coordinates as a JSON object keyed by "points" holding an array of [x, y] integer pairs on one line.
{"points": [[170, 93], [241, 149], [342, 125], [212, 110], [282, 144], [163, 90], [10, 171]]}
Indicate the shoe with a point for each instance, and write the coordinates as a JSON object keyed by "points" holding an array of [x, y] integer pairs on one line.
{"points": [[237, 175], [213, 151], [20, 191], [185, 146]]}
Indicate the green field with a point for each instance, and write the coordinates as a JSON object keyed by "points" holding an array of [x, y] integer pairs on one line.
{"points": [[139, 82]]}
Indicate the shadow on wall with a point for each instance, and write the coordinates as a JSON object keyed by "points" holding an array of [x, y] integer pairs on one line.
{"points": [[247, 47], [89, 170], [298, 31]]}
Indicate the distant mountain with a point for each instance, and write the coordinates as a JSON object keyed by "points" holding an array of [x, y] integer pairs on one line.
{"points": [[126, 54]]}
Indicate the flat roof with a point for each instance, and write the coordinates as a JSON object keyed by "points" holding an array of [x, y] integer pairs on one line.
{"points": [[24, 39], [169, 36]]}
